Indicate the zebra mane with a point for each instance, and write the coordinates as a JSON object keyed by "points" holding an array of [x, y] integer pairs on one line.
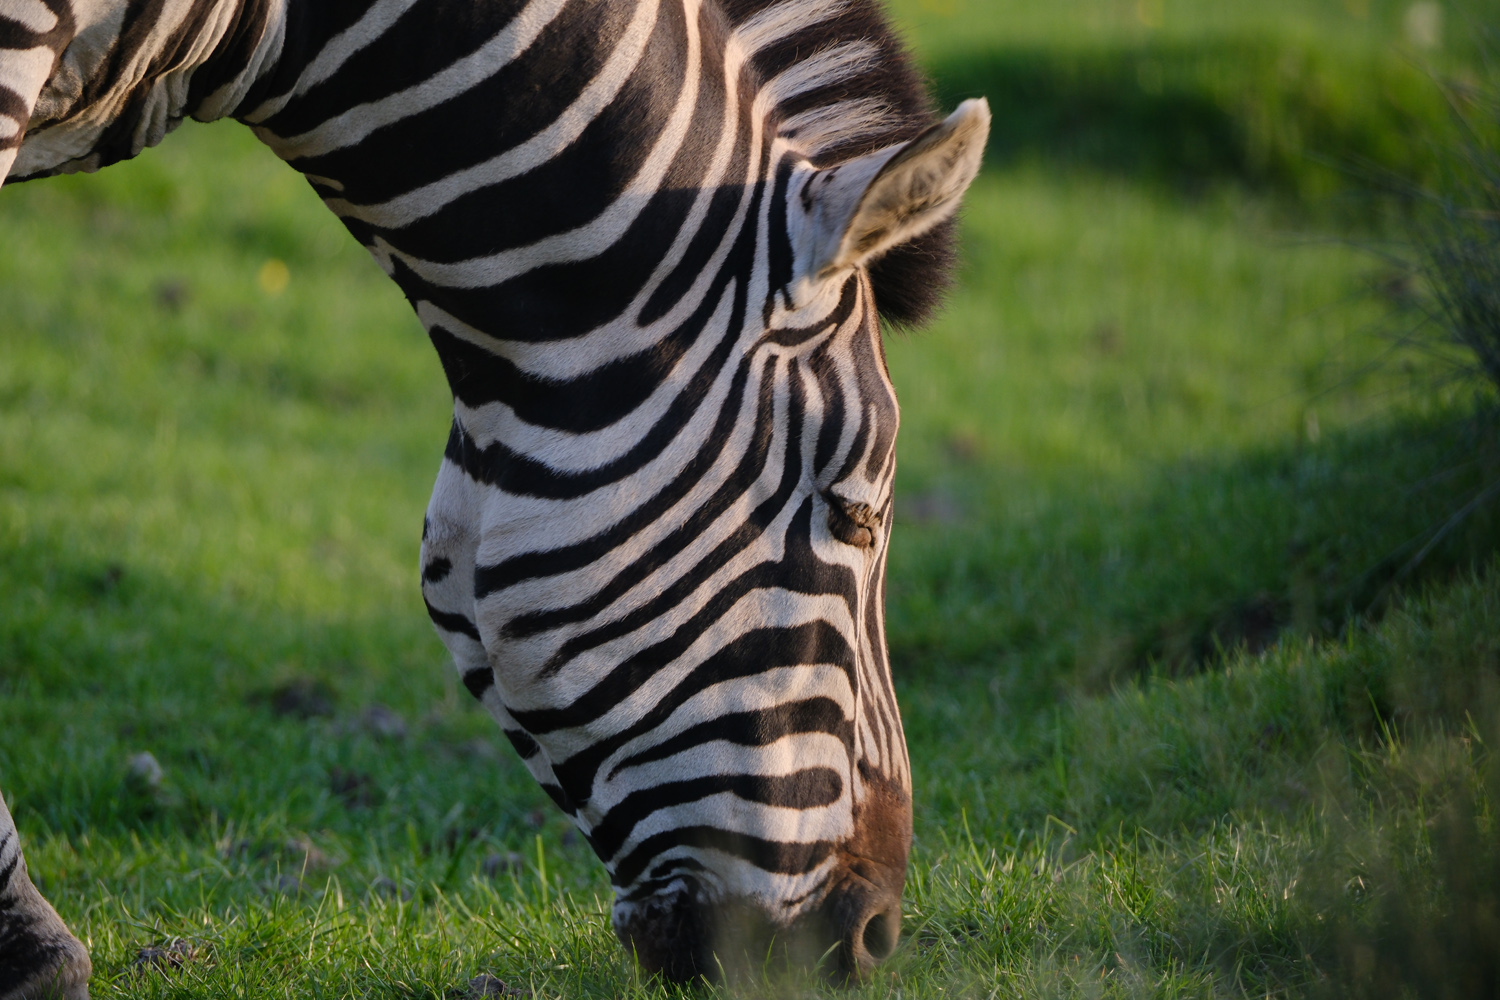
{"points": [[844, 86]]}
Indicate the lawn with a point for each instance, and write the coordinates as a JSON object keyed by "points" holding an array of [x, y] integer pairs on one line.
{"points": [[1194, 708]]}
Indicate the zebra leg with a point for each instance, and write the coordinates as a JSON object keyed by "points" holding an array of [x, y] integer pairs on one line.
{"points": [[39, 958]]}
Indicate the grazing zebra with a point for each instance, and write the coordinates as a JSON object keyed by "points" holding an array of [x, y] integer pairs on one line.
{"points": [[649, 240]]}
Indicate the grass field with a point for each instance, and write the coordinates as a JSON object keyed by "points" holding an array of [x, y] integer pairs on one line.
{"points": [[1187, 714]]}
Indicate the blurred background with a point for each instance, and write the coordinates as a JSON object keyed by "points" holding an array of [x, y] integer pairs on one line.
{"points": [[1191, 596]]}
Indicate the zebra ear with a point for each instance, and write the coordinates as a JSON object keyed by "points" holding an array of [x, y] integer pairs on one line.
{"points": [[860, 209]]}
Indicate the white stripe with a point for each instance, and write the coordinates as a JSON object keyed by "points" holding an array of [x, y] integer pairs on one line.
{"points": [[756, 693], [267, 50], [30, 14], [768, 608], [532, 525], [615, 339], [727, 811], [24, 72]]}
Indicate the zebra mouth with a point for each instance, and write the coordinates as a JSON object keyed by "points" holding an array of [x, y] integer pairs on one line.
{"points": [[669, 933], [683, 936]]}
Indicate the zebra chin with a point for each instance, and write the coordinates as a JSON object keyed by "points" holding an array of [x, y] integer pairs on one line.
{"points": [[681, 926]]}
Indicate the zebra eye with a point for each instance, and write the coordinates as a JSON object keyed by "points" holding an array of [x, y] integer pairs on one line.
{"points": [[852, 523]]}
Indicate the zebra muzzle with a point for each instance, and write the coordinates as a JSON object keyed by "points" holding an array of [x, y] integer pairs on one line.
{"points": [[683, 937]]}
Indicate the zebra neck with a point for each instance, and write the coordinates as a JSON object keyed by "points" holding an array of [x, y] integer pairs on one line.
{"points": [[569, 193]]}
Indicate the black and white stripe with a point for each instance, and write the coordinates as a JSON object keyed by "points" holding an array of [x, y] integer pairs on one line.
{"points": [[649, 240]]}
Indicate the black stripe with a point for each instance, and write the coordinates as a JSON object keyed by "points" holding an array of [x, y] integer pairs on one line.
{"points": [[730, 492], [13, 106], [559, 796], [232, 56], [768, 855], [812, 788], [427, 38], [452, 622], [437, 570], [478, 681], [751, 729], [524, 744], [770, 646], [498, 465]]}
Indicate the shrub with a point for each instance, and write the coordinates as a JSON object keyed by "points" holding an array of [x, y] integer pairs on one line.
{"points": [[1456, 240]]}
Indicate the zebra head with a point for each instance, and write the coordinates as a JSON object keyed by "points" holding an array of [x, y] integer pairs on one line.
{"points": [[688, 651]]}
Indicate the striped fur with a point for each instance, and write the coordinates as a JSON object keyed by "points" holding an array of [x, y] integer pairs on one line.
{"points": [[657, 540]]}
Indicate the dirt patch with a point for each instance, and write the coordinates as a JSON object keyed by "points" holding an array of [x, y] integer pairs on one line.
{"points": [[355, 789], [299, 698], [170, 954]]}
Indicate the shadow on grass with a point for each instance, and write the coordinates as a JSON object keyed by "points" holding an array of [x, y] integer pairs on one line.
{"points": [[1411, 907], [1099, 587], [260, 724], [1276, 114], [1261, 826]]}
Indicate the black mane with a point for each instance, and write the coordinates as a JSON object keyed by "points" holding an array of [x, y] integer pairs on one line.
{"points": [[911, 279]]}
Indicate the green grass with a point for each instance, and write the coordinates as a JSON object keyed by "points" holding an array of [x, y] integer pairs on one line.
{"points": [[1186, 717], [1308, 100]]}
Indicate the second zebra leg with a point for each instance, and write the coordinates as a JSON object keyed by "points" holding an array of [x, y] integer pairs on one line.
{"points": [[40, 959]]}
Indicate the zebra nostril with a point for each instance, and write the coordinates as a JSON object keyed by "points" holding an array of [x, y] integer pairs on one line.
{"points": [[865, 920], [880, 934]]}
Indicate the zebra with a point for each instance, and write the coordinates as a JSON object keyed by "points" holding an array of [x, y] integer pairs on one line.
{"points": [[651, 242]]}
